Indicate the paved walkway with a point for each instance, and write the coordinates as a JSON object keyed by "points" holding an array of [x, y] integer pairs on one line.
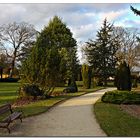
{"points": [[73, 117]]}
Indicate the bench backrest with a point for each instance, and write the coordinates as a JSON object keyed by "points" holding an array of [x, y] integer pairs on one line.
{"points": [[5, 108]]}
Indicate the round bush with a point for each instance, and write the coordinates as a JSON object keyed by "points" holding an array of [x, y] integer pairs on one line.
{"points": [[69, 90], [121, 97], [31, 90]]}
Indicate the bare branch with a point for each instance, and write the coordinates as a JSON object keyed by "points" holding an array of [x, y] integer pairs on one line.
{"points": [[128, 44], [17, 35]]}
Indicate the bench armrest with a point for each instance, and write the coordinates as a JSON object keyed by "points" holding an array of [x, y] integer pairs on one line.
{"points": [[6, 120]]}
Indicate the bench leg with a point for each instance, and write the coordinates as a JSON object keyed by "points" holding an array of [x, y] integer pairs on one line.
{"points": [[8, 130], [20, 119]]}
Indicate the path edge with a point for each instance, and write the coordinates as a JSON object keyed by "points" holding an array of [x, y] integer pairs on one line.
{"points": [[64, 100], [60, 102]]}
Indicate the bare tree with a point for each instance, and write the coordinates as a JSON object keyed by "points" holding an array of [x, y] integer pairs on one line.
{"points": [[128, 45], [14, 37]]}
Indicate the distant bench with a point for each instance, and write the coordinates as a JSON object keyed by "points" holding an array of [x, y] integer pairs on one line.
{"points": [[9, 118]]}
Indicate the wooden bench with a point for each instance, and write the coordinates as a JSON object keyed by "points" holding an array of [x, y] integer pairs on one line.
{"points": [[9, 118]]}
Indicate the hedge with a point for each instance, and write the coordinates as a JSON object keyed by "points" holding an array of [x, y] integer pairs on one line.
{"points": [[121, 97], [9, 80]]}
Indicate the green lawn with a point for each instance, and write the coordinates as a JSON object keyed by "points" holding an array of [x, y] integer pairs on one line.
{"points": [[8, 94], [116, 122]]}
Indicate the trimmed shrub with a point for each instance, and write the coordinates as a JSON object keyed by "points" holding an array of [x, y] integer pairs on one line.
{"points": [[31, 90], [69, 90], [72, 84], [86, 76], [123, 77], [121, 97]]}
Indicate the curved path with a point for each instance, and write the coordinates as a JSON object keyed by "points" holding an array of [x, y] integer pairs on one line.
{"points": [[73, 117]]}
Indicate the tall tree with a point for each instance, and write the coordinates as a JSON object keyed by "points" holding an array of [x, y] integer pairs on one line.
{"points": [[14, 37], [52, 55], [86, 76], [60, 36], [101, 52]]}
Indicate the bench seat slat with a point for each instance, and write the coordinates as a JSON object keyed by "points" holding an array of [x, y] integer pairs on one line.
{"points": [[15, 115], [12, 117]]}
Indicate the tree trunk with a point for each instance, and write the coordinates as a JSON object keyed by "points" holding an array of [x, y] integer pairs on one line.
{"points": [[105, 81], [69, 82], [12, 68], [1, 72]]}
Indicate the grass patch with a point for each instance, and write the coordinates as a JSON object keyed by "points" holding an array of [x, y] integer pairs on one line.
{"points": [[38, 107], [8, 94], [116, 122]]}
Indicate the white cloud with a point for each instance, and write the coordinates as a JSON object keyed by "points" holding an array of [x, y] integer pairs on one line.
{"points": [[82, 19], [112, 16], [85, 32], [126, 22]]}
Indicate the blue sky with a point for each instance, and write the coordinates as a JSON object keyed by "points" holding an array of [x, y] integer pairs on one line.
{"points": [[83, 19]]}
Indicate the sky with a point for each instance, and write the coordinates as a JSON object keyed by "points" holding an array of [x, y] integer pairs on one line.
{"points": [[84, 19]]}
